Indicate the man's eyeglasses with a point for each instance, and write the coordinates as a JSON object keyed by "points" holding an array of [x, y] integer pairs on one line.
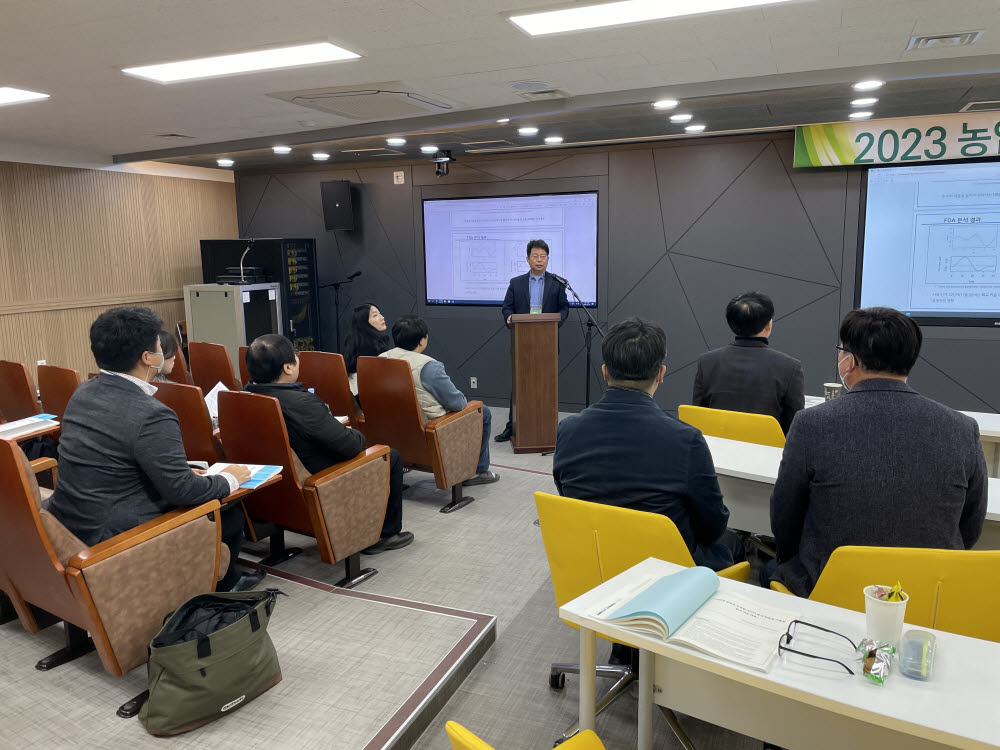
{"points": [[786, 639], [537, 257]]}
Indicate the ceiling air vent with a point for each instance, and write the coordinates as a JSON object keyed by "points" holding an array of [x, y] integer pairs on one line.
{"points": [[944, 41], [545, 95], [373, 101], [981, 107]]}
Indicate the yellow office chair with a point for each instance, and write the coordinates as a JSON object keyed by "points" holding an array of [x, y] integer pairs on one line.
{"points": [[462, 739], [589, 543], [735, 425], [949, 590]]}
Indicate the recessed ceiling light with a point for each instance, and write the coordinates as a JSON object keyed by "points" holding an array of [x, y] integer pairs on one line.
{"points": [[665, 104], [554, 140], [282, 149], [396, 141], [681, 118], [503, 120], [244, 62], [428, 149], [623, 12], [527, 131], [865, 102], [321, 156], [225, 162], [694, 128], [10, 95], [871, 85], [860, 115]]}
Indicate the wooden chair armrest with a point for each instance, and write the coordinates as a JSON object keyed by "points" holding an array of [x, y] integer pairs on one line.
{"points": [[778, 586], [332, 472], [43, 464], [242, 492], [138, 535], [452, 416], [737, 572]]}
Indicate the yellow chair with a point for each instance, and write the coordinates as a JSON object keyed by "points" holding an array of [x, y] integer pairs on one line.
{"points": [[952, 590], [589, 543], [735, 425], [462, 739]]}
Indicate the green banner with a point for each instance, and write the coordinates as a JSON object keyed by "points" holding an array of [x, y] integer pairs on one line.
{"points": [[905, 140]]}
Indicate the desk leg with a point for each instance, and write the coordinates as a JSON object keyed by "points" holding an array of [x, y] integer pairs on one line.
{"points": [[588, 678], [645, 700]]}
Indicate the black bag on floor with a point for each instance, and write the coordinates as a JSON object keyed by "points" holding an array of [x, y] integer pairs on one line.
{"points": [[212, 656]]}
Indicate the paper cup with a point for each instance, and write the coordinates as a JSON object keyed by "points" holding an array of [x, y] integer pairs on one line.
{"points": [[832, 390], [884, 618]]}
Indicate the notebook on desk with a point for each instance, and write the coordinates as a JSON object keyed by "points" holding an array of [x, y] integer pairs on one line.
{"points": [[258, 473], [19, 427]]}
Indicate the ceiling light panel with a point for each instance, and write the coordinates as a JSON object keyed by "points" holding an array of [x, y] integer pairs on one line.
{"points": [[864, 102], [529, 131], [665, 104], [10, 95], [244, 62], [282, 149], [681, 118], [869, 85], [624, 12]]}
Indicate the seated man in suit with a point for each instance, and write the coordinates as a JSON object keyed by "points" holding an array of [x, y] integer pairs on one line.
{"points": [[121, 458], [535, 291], [626, 451], [436, 394], [880, 466], [747, 375], [317, 437]]}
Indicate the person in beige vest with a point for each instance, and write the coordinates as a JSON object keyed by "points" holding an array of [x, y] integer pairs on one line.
{"points": [[436, 394]]}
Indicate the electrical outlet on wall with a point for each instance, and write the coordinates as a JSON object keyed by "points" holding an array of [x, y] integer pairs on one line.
{"points": [[473, 382], [40, 362]]}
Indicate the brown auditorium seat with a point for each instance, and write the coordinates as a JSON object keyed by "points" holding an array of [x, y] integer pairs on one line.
{"points": [[448, 446], [343, 506], [56, 385], [210, 365], [188, 403], [17, 394], [326, 374], [241, 358], [119, 590], [179, 374]]}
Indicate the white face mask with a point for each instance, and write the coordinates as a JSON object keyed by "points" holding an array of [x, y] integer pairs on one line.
{"points": [[839, 375], [159, 367]]}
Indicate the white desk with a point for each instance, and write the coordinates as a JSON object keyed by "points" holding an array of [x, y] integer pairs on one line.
{"points": [[798, 704], [747, 473]]}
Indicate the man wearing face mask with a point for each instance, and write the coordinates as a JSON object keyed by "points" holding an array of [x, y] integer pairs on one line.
{"points": [[121, 458], [881, 466]]}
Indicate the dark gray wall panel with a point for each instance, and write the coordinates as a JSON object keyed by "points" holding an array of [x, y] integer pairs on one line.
{"points": [[810, 335]]}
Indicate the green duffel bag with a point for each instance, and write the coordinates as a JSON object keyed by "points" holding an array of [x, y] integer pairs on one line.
{"points": [[212, 656]]}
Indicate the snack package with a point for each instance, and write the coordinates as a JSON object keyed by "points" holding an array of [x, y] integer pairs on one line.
{"points": [[895, 594], [876, 660]]}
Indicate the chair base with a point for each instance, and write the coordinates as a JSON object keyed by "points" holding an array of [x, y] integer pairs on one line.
{"points": [[458, 500], [7, 611], [131, 708], [354, 574], [279, 553], [623, 676], [78, 644]]}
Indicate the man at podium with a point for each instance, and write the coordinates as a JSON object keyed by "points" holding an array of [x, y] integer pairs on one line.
{"points": [[534, 292]]}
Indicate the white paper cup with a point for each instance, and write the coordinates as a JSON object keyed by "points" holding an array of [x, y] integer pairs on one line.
{"points": [[884, 618]]}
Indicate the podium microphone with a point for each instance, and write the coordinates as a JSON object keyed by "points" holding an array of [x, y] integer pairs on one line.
{"points": [[561, 280], [352, 276]]}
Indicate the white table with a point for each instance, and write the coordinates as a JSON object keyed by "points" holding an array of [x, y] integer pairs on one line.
{"points": [[799, 704], [747, 473]]}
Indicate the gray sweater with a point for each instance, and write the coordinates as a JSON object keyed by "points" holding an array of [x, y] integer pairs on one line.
{"points": [[880, 466], [121, 462]]}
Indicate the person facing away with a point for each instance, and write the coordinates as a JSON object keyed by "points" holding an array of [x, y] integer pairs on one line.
{"points": [[436, 393], [747, 375], [168, 345], [121, 457], [626, 451], [535, 291], [367, 338], [879, 466], [314, 434]]}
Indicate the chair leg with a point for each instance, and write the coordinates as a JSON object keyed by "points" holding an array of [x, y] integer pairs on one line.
{"points": [[130, 708], [458, 500], [354, 573], [77, 645], [676, 728], [279, 552], [624, 676], [7, 611]]}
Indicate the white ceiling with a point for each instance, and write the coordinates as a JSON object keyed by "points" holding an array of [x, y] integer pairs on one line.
{"points": [[463, 50]]}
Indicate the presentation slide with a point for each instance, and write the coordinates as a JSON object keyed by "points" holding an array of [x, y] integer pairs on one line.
{"points": [[473, 246], [931, 241]]}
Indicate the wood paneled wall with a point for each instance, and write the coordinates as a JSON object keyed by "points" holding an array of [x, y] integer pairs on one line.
{"points": [[74, 242]]}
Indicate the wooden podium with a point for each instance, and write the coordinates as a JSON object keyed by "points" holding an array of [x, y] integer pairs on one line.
{"points": [[534, 372]]}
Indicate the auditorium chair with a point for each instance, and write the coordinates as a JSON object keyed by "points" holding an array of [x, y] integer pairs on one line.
{"points": [[210, 365], [326, 374], [56, 386], [589, 543], [188, 403], [119, 591], [17, 394], [947, 588], [241, 358], [179, 374], [762, 429], [343, 506]]}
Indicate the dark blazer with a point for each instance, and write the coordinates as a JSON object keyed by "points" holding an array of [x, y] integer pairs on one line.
{"points": [[749, 376], [121, 462], [316, 436], [880, 466], [626, 451], [517, 301]]}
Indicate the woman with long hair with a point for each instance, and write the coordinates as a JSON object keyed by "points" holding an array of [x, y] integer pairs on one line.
{"points": [[368, 337]]}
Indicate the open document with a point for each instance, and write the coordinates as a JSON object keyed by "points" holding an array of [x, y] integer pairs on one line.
{"points": [[258, 473]]}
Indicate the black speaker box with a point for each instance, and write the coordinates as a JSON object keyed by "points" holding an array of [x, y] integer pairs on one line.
{"points": [[337, 209]]}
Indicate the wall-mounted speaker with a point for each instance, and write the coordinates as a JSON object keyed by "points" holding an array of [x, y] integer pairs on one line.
{"points": [[337, 209]]}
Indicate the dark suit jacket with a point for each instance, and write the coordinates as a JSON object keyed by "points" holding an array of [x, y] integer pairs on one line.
{"points": [[626, 451], [517, 301], [749, 376], [121, 462], [880, 466], [316, 436]]}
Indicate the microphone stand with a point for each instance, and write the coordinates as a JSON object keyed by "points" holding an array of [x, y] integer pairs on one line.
{"points": [[336, 302], [587, 339]]}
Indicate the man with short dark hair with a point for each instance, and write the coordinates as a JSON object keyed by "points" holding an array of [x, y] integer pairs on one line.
{"points": [[626, 451], [314, 434], [436, 394], [880, 466], [121, 457], [748, 375]]}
